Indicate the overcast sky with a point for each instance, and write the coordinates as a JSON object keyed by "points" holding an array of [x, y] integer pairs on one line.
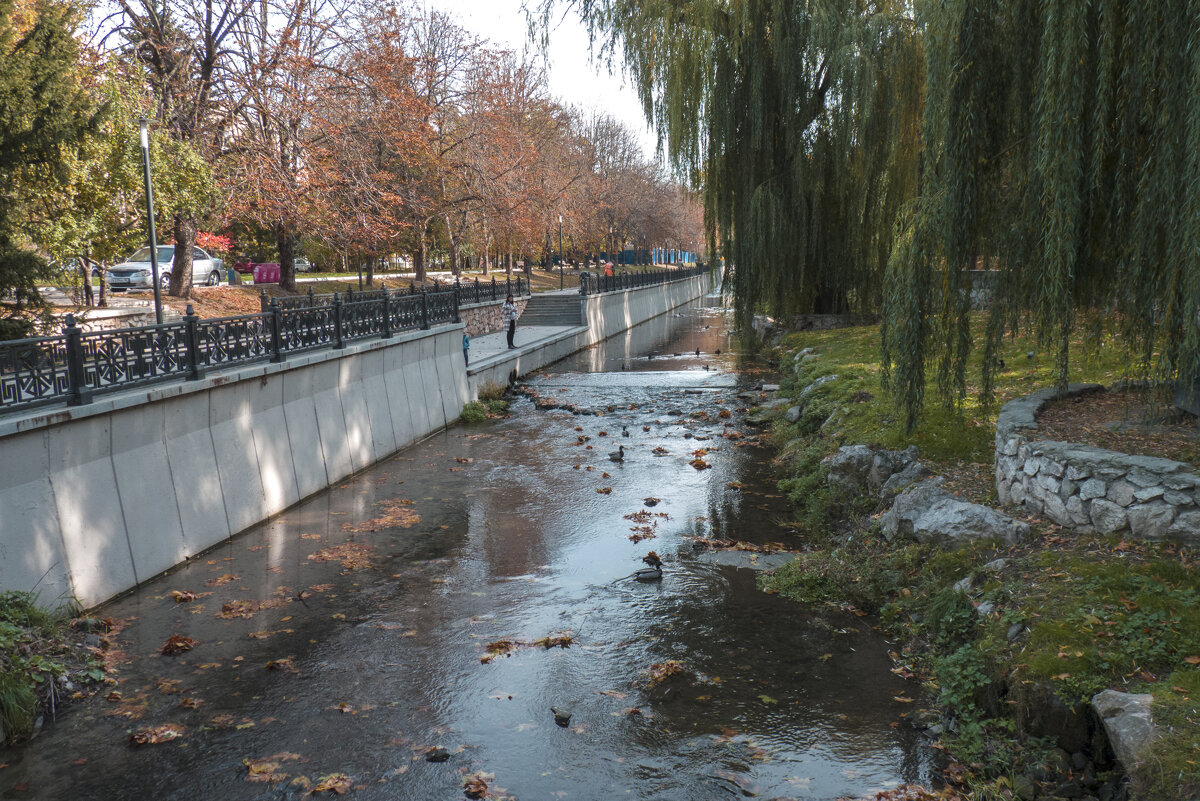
{"points": [[574, 77]]}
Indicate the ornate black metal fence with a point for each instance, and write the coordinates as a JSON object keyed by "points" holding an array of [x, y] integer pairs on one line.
{"points": [[469, 291], [595, 284], [77, 365]]}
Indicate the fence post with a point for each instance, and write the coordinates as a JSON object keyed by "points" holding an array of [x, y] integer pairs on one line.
{"points": [[493, 287], [80, 392], [312, 301], [262, 299], [337, 321], [424, 309], [276, 333], [387, 311], [583, 279], [457, 300], [191, 339]]}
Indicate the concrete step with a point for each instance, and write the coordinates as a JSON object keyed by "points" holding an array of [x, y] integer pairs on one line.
{"points": [[556, 310]]}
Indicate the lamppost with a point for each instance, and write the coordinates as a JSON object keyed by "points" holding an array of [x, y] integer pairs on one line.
{"points": [[560, 253], [144, 129]]}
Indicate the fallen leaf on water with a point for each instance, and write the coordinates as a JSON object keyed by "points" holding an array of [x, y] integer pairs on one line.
{"points": [[159, 734], [699, 464], [766, 699], [902, 699], [177, 644], [604, 490], [183, 596], [191, 703], [352, 555], [661, 671], [475, 785], [396, 514], [263, 770], [284, 664], [223, 579], [337, 783]]}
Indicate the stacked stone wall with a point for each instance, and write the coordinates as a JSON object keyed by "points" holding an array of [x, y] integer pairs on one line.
{"points": [[486, 318], [1089, 489]]}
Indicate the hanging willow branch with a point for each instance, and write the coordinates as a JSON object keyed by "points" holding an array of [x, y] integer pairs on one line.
{"points": [[1062, 148], [799, 120]]}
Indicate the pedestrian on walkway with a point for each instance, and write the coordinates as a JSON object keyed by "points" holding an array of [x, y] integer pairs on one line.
{"points": [[509, 310], [466, 348]]}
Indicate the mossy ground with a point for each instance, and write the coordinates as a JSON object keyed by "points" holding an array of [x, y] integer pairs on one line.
{"points": [[43, 663], [1097, 612]]}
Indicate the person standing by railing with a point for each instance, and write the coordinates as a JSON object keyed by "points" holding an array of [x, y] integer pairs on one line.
{"points": [[510, 313]]}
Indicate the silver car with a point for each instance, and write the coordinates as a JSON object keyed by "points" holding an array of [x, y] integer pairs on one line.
{"points": [[135, 272]]}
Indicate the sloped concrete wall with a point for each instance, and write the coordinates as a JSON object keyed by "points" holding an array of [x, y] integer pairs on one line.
{"points": [[607, 315], [99, 498]]}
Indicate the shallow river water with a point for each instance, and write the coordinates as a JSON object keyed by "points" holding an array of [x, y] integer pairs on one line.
{"points": [[375, 623]]}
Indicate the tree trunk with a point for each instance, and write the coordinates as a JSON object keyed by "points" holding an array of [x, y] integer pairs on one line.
{"points": [[371, 270], [285, 240], [103, 303], [85, 270], [508, 266], [419, 259], [181, 270], [454, 267]]}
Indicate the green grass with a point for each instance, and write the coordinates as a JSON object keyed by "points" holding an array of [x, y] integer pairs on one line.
{"points": [[37, 646], [1099, 612], [1171, 768]]}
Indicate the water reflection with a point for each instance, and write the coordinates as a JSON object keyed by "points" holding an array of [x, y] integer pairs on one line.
{"points": [[514, 541]]}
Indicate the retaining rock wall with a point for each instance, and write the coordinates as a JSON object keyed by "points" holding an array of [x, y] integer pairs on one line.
{"points": [[1092, 489], [484, 318]]}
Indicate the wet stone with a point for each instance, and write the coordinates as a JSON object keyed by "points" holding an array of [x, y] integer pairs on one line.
{"points": [[437, 754], [562, 715]]}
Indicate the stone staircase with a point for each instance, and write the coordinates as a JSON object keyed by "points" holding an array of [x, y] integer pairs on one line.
{"points": [[552, 310]]}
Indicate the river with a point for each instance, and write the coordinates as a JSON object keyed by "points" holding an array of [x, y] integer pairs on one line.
{"points": [[345, 639]]}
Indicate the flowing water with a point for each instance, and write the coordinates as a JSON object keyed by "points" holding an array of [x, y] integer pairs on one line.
{"points": [[376, 624]]}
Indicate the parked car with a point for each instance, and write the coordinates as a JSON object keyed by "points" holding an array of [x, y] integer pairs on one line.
{"points": [[135, 272], [303, 265]]}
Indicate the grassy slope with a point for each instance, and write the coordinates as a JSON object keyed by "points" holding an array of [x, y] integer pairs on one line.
{"points": [[1100, 613]]}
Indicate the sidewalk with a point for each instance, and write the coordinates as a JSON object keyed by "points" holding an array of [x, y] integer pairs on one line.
{"points": [[489, 348]]}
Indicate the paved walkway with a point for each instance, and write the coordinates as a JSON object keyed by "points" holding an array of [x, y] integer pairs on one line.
{"points": [[487, 347]]}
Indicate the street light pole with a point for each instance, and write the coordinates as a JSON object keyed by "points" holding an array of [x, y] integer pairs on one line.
{"points": [[560, 253], [144, 129]]}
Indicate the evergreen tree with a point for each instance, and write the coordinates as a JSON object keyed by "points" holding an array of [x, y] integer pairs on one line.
{"points": [[44, 113]]}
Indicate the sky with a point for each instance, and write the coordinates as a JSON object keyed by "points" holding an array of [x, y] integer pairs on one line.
{"points": [[573, 76]]}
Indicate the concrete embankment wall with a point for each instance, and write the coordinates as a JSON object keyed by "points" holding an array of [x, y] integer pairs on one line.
{"points": [[99, 498], [606, 315]]}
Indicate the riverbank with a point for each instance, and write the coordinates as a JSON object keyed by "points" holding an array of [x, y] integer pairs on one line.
{"points": [[1012, 639], [47, 661]]}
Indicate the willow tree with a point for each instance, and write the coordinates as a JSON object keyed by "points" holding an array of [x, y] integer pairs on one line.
{"points": [[799, 119], [1062, 149]]}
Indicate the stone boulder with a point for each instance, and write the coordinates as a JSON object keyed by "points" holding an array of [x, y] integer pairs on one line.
{"points": [[1128, 723], [928, 513], [846, 470], [856, 469]]}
